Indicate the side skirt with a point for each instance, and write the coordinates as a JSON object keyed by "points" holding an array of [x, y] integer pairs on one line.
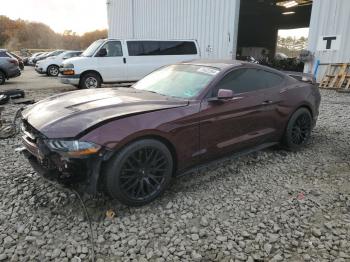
{"points": [[222, 159]]}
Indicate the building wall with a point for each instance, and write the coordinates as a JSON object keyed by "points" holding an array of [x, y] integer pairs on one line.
{"points": [[213, 23], [330, 18]]}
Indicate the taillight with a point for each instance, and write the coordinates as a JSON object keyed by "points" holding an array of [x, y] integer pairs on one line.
{"points": [[13, 61]]}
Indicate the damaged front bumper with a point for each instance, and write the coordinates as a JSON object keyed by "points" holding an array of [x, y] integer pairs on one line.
{"points": [[81, 171]]}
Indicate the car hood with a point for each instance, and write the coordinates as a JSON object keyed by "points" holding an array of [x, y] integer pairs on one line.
{"points": [[68, 115], [75, 59]]}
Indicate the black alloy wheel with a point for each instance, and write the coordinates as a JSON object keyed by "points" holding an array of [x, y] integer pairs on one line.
{"points": [[140, 172], [299, 129]]}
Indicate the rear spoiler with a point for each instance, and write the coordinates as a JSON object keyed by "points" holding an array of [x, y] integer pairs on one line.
{"points": [[303, 77]]}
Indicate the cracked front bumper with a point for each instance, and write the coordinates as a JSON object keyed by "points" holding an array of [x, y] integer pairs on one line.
{"points": [[84, 172]]}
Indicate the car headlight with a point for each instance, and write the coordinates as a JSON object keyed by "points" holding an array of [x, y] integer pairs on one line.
{"points": [[68, 66], [73, 148]]}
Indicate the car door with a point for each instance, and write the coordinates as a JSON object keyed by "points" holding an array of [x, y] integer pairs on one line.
{"points": [[238, 123], [110, 62], [273, 105]]}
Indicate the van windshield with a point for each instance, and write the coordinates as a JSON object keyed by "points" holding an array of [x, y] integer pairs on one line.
{"points": [[90, 51], [182, 81]]}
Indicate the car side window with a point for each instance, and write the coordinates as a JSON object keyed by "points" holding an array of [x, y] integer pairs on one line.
{"points": [[271, 79], [113, 48], [3, 54], [248, 79]]}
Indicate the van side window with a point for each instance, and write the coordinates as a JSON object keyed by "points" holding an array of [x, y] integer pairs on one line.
{"points": [[177, 48], [155, 48], [113, 48]]}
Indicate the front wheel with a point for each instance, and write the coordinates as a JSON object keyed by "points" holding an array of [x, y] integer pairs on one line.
{"points": [[299, 129], [53, 70], [90, 81], [2, 78], [139, 173]]}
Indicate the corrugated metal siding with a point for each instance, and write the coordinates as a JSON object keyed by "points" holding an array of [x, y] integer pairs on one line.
{"points": [[330, 17], [213, 23]]}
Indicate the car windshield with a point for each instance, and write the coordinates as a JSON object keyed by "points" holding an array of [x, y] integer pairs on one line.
{"points": [[92, 48], [182, 81]]}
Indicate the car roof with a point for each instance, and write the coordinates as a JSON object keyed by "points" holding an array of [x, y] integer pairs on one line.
{"points": [[226, 64], [218, 63]]}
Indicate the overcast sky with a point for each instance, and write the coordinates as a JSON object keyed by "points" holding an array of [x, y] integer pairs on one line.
{"points": [[294, 32], [77, 15]]}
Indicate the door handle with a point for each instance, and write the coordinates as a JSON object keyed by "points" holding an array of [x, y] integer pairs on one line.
{"points": [[124, 60], [267, 102]]}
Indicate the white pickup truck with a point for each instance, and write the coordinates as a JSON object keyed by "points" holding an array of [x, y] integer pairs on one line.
{"points": [[113, 61]]}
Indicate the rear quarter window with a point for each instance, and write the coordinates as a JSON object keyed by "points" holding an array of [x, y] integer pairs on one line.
{"points": [[159, 48], [271, 79]]}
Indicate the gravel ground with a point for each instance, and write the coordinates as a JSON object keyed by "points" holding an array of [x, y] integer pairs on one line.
{"points": [[269, 206]]}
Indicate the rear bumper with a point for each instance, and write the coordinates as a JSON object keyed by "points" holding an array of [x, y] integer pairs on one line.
{"points": [[12, 73]]}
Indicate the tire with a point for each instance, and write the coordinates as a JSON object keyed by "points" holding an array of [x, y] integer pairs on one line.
{"points": [[90, 81], [139, 173], [2, 78], [298, 130], [53, 70]]}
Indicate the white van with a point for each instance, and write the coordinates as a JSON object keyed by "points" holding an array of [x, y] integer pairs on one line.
{"points": [[113, 61]]}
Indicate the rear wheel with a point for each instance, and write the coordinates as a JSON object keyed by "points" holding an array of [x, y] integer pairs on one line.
{"points": [[2, 78], [139, 173], [53, 70], [299, 129], [90, 81]]}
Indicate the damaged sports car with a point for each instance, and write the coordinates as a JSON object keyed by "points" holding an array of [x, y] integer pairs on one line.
{"points": [[131, 142]]}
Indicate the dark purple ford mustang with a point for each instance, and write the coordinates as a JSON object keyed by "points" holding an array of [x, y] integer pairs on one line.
{"points": [[130, 142]]}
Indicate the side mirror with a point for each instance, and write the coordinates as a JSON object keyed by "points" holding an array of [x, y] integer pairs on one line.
{"points": [[224, 94], [102, 52]]}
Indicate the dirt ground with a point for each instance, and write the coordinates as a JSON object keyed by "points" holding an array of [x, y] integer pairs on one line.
{"points": [[30, 79]]}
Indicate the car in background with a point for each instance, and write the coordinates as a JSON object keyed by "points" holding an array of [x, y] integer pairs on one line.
{"points": [[51, 65], [46, 55], [8, 66], [281, 56], [19, 59], [35, 59], [112, 61], [249, 59], [31, 58], [131, 142]]}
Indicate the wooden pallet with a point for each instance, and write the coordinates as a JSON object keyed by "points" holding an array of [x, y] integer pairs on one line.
{"points": [[337, 76]]}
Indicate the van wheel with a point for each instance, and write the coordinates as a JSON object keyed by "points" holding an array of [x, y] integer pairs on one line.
{"points": [[298, 130], [53, 70], [139, 173], [2, 78], [90, 81]]}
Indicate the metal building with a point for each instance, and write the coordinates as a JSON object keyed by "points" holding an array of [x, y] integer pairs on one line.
{"points": [[329, 36], [212, 23], [225, 27]]}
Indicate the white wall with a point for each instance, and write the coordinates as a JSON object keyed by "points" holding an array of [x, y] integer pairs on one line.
{"points": [[330, 18], [214, 23]]}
